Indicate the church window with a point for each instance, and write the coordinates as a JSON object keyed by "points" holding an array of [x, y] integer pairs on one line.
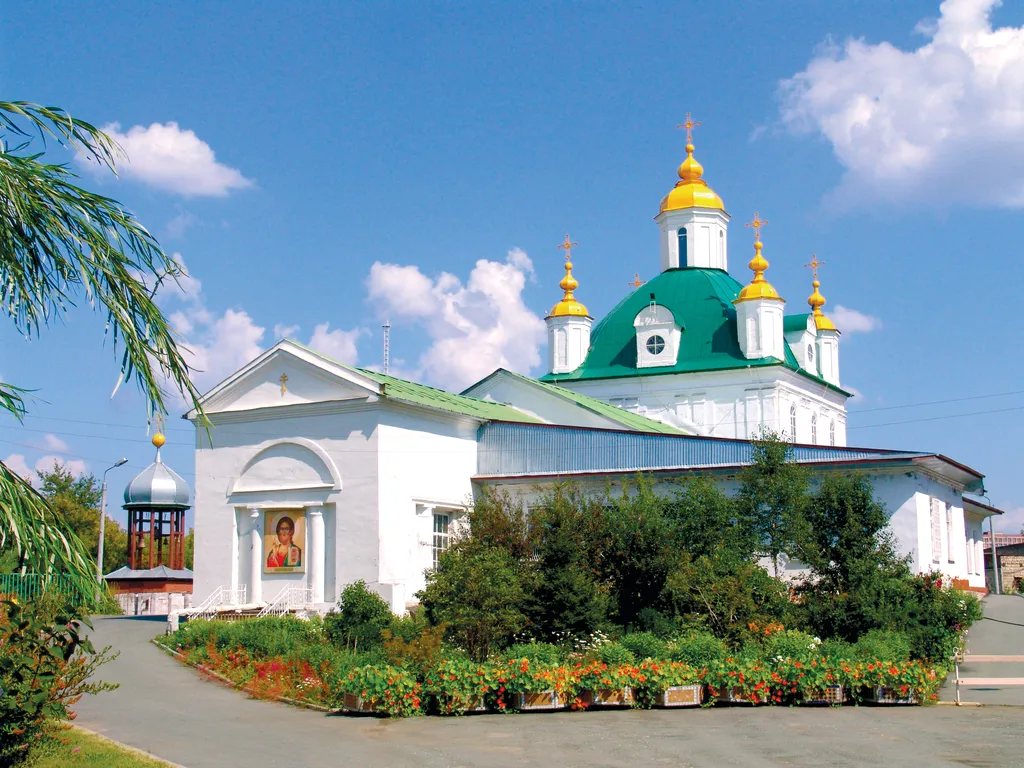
{"points": [[832, 432], [949, 533], [936, 526], [792, 423], [814, 429], [442, 523], [810, 353], [656, 345], [682, 247]]}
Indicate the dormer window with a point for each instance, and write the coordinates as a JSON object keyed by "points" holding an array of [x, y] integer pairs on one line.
{"points": [[810, 353], [657, 336]]}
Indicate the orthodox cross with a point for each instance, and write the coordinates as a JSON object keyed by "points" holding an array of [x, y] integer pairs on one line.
{"points": [[568, 246], [757, 223], [636, 282], [814, 265], [284, 383], [689, 125]]}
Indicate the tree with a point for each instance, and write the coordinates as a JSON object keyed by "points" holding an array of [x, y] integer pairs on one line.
{"points": [[76, 501], [708, 523], [190, 549], [773, 492], [60, 243]]}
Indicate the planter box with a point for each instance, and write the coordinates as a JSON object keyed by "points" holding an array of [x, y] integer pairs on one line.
{"points": [[886, 695], [733, 694], [354, 703], [608, 697], [832, 695], [680, 696], [475, 704], [543, 701]]}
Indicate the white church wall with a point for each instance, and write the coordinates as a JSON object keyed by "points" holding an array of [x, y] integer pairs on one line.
{"points": [[537, 402], [426, 463]]}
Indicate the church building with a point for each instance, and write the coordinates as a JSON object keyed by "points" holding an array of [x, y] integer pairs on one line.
{"points": [[315, 474]]}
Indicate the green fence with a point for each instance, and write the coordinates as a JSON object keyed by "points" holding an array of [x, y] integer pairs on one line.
{"points": [[29, 586]]}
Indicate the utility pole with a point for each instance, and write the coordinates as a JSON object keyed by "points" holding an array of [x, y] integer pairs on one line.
{"points": [[103, 519]]}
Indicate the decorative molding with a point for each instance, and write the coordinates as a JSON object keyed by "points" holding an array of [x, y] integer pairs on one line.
{"points": [[302, 442]]}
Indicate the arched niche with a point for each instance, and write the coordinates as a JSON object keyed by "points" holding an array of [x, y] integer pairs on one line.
{"points": [[287, 465]]}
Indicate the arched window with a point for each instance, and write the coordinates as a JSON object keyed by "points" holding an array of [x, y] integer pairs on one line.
{"points": [[683, 261], [721, 249], [832, 432], [814, 429], [792, 423]]}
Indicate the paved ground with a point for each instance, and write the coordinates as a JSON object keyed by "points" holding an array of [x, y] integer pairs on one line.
{"points": [[1000, 633], [164, 708]]}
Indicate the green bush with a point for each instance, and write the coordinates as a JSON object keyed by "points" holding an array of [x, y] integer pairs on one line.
{"points": [[539, 653], [644, 645], [791, 644], [698, 649], [360, 617], [615, 654], [837, 649], [655, 622], [882, 645]]}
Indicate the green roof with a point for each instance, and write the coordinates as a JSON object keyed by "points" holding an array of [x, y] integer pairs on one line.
{"points": [[792, 323], [421, 394], [701, 302], [621, 416]]}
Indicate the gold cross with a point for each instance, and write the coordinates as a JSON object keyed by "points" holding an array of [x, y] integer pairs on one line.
{"points": [[568, 246], [814, 265], [636, 282], [689, 125], [757, 223], [284, 383]]}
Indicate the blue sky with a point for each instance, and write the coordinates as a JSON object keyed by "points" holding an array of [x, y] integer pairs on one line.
{"points": [[321, 167]]}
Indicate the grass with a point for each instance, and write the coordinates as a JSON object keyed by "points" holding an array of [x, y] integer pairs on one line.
{"points": [[75, 747]]}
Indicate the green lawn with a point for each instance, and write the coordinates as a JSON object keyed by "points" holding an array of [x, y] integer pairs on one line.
{"points": [[78, 748]]}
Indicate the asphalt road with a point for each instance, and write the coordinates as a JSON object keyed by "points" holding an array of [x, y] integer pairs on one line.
{"points": [[164, 708]]}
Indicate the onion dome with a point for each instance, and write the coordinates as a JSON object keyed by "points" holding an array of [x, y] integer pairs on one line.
{"points": [[691, 191], [759, 288], [568, 306], [157, 486], [817, 301]]}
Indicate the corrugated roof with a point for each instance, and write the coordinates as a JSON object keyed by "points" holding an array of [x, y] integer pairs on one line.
{"points": [[421, 394], [616, 414], [701, 301]]}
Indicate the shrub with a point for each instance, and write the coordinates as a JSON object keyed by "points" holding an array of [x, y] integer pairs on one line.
{"points": [[538, 653], [698, 649], [644, 645], [386, 689], [791, 644], [882, 645], [614, 654], [655, 622], [421, 652], [935, 616], [360, 617]]}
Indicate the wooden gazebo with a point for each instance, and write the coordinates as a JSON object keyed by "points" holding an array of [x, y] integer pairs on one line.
{"points": [[156, 501]]}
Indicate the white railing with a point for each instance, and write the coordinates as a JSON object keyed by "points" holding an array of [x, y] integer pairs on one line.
{"points": [[291, 597], [220, 598]]}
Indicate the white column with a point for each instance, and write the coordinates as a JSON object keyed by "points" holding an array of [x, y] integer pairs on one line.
{"points": [[256, 564], [235, 559], [315, 516]]}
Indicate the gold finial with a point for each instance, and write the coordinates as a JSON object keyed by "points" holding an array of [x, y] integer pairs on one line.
{"points": [[816, 301], [568, 246], [284, 383], [689, 125], [757, 223], [159, 440], [568, 305], [636, 282]]}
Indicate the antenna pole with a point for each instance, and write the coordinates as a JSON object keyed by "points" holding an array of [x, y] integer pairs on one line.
{"points": [[387, 345]]}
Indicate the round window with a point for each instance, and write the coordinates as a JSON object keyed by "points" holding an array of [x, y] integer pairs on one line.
{"points": [[810, 353], [655, 345]]}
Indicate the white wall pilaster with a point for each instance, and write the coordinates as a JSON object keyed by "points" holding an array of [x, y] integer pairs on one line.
{"points": [[315, 516], [256, 564]]}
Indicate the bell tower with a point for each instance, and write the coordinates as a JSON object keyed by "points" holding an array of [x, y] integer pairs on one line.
{"points": [[568, 323]]}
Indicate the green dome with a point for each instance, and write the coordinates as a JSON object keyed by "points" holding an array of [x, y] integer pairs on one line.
{"points": [[701, 302]]}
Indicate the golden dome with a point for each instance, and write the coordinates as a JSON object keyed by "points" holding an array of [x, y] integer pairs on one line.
{"points": [[817, 301], [159, 440], [759, 288], [568, 305], [691, 191]]}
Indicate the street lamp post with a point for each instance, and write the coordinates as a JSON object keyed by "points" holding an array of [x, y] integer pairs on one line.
{"points": [[103, 518]]}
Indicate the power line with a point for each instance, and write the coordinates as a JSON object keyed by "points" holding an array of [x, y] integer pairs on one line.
{"points": [[934, 402], [938, 418]]}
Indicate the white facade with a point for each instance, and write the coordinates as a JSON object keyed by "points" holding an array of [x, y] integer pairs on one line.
{"points": [[694, 237], [568, 341], [759, 328]]}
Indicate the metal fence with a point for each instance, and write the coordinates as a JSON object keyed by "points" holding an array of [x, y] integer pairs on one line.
{"points": [[30, 586]]}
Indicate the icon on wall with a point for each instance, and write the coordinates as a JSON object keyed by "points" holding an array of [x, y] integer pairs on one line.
{"points": [[284, 541]]}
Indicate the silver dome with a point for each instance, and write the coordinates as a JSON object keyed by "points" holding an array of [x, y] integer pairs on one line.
{"points": [[157, 487]]}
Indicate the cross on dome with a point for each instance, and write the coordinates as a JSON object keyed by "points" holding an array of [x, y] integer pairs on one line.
{"points": [[814, 265], [568, 305], [568, 246], [757, 223], [689, 125]]}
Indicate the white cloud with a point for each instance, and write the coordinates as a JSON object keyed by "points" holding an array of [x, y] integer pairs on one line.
{"points": [[76, 467], [851, 321], [1012, 521], [940, 124], [282, 331], [172, 159], [17, 464], [474, 328], [337, 344], [175, 228], [51, 442]]}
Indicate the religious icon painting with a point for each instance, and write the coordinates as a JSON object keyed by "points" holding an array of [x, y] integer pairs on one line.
{"points": [[284, 541]]}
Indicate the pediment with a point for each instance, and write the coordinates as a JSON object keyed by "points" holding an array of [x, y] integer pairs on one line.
{"points": [[287, 465], [284, 376]]}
